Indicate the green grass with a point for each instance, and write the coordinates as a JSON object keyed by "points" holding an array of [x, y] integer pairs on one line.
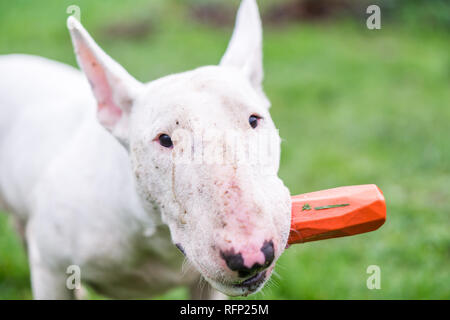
{"points": [[353, 106]]}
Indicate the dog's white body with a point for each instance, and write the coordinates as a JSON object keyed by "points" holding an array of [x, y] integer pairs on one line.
{"points": [[71, 188], [70, 182]]}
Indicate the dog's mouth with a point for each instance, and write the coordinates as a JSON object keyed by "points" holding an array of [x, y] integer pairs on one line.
{"points": [[253, 283], [243, 288]]}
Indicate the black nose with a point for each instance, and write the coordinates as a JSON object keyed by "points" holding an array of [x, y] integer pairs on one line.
{"points": [[235, 261], [268, 251]]}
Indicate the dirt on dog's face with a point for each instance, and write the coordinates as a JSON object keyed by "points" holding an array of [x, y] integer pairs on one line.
{"points": [[207, 156]]}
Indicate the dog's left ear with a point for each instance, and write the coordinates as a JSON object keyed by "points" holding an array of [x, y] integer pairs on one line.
{"points": [[245, 48]]}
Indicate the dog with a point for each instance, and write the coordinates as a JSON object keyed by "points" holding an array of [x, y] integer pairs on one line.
{"points": [[92, 172]]}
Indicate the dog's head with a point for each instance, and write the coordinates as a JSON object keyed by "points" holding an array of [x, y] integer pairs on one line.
{"points": [[205, 153]]}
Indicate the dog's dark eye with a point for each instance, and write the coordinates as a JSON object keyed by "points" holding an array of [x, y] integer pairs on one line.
{"points": [[253, 120], [165, 140]]}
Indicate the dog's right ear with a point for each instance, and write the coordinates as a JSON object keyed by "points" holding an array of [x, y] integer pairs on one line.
{"points": [[114, 89]]}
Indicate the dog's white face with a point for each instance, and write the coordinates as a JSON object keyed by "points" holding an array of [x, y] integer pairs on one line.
{"points": [[218, 203], [205, 152]]}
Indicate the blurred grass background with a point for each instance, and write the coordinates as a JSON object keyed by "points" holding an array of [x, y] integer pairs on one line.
{"points": [[353, 105]]}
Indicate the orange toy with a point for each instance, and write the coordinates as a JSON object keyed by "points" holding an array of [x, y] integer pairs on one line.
{"points": [[337, 212]]}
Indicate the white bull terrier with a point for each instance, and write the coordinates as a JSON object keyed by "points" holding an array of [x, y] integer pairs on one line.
{"points": [[80, 201]]}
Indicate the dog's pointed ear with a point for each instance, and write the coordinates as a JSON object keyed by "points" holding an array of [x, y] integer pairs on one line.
{"points": [[114, 89], [245, 48]]}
